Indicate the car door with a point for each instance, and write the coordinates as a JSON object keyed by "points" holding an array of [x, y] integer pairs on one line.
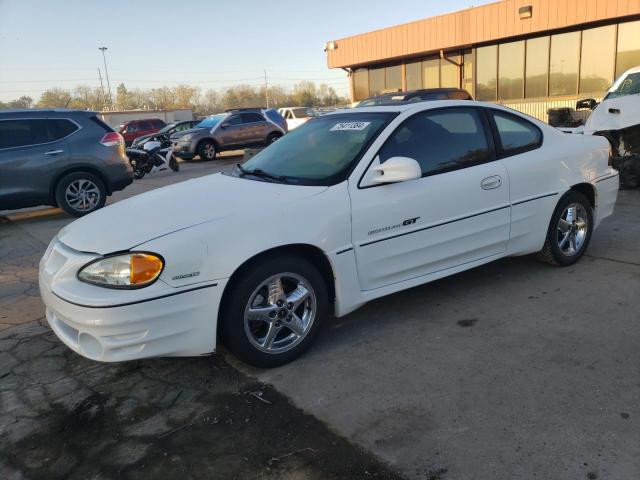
{"points": [[31, 151], [230, 131], [256, 127], [457, 213], [534, 175]]}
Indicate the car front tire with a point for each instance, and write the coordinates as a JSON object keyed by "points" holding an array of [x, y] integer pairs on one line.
{"points": [[273, 137], [80, 193], [569, 231], [274, 311], [207, 150]]}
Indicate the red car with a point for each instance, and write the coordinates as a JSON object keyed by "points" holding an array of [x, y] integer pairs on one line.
{"points": [[136, 128]]}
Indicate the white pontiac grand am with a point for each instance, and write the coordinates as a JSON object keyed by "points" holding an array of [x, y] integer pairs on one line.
{"points": [[349, 207]]}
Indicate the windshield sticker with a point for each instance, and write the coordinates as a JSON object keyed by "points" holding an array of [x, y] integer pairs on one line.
{"points": [[349, 126]]}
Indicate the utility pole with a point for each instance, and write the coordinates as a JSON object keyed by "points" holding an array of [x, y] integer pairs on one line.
{"points": [[266, 88], [104, 98], [107, 74]]}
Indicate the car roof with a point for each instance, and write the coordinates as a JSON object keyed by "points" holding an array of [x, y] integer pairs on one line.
{"points": [[41, 111], [428, 105]]}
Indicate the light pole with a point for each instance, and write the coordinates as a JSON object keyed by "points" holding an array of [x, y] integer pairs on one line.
{"points": [[107, 74]]}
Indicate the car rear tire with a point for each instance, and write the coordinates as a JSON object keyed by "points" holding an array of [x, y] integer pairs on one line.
{"points": [[80, 193], [207, 150], [569, 231], [274, 311], [273, 137]]}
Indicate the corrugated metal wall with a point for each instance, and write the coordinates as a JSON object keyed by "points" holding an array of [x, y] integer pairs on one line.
{"points": [[472, 26]]}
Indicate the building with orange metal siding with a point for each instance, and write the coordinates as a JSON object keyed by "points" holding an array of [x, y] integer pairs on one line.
{"points": [[528, 54]]}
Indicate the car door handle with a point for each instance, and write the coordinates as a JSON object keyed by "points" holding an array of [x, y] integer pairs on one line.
{"points": [[492, 182], [53, 152]]}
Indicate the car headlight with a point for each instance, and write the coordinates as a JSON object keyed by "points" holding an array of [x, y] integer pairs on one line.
{"points": [[126, 271]]}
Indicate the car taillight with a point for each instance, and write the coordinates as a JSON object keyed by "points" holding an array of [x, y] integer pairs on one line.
{"points": [[111, 139]]}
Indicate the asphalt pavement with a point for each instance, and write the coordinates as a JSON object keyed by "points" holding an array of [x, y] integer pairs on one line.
{"points": [[514, 370]]}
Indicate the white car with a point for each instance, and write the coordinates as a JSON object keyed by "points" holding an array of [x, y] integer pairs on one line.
{"points": [[296, 116], [352, 206]]}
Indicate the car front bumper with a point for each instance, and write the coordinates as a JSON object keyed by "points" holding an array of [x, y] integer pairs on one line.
{"points": [[180, 322], [184, 150]]}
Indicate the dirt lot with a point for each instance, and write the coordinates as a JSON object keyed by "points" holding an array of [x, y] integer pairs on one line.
{"points": [[512, 370]]}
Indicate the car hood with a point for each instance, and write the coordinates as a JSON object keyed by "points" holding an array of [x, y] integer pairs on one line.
{"points": [[143, 138], [186, 132], [137, 220]]}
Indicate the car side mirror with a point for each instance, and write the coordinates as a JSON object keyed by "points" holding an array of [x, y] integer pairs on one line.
{"points": [[396, 169], [586, 104], [224, 125]]}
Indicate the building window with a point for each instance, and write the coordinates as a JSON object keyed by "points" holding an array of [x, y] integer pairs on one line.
{"points": [[360, 84], [597, 59], [376, 81], [467, 71], [628, 47], [450, 72], [537, 69], [431, 73], [511, 70], [486, 72], [564, 63], [414, 75], [393, 78]]}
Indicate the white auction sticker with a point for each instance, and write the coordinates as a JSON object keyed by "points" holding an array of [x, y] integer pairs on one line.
{"points": [[350, 126]]}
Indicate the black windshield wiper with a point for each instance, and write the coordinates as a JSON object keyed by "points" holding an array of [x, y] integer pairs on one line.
{"points": [[257, 172]]}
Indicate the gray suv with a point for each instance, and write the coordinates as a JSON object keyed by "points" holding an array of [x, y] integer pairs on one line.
{"points": [[66, 158], [232, 130]]}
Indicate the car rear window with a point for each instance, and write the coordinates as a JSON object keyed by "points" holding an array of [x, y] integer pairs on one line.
{"points": [[252, 118], [274, 116], [61, 127], [516, 134]]}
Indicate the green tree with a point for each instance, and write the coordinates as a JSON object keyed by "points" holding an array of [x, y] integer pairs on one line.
{"points": [[185, 96], [87, 98], [304, 94], [55, 97], [22, 102]]}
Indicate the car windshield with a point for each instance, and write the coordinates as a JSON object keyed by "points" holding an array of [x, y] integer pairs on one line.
{"points": [[629, 85], [322, 150], [166, 128], [211, 121], [303, 112]]}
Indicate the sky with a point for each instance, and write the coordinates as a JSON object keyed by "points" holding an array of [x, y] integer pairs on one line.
{"points": [[205, 43]]}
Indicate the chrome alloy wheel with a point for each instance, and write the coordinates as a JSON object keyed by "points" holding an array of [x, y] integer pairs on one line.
{"points": [[280, 313], [572, 229], [209, 151], [82, 195]]}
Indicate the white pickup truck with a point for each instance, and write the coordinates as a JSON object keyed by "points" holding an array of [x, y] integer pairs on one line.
{"points": [[617, 118], [296, 116]]}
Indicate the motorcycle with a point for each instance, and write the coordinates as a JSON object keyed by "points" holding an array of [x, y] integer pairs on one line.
{"points": [[155, 155]]}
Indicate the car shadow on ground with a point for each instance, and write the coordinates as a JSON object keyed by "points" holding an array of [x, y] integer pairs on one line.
{"points": [[64, 416]]}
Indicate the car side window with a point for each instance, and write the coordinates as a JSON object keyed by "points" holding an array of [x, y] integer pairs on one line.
{"points": [[516, 134], [252, 118], [234, 120], [21, 133], [60, 128], [440, 140]]}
